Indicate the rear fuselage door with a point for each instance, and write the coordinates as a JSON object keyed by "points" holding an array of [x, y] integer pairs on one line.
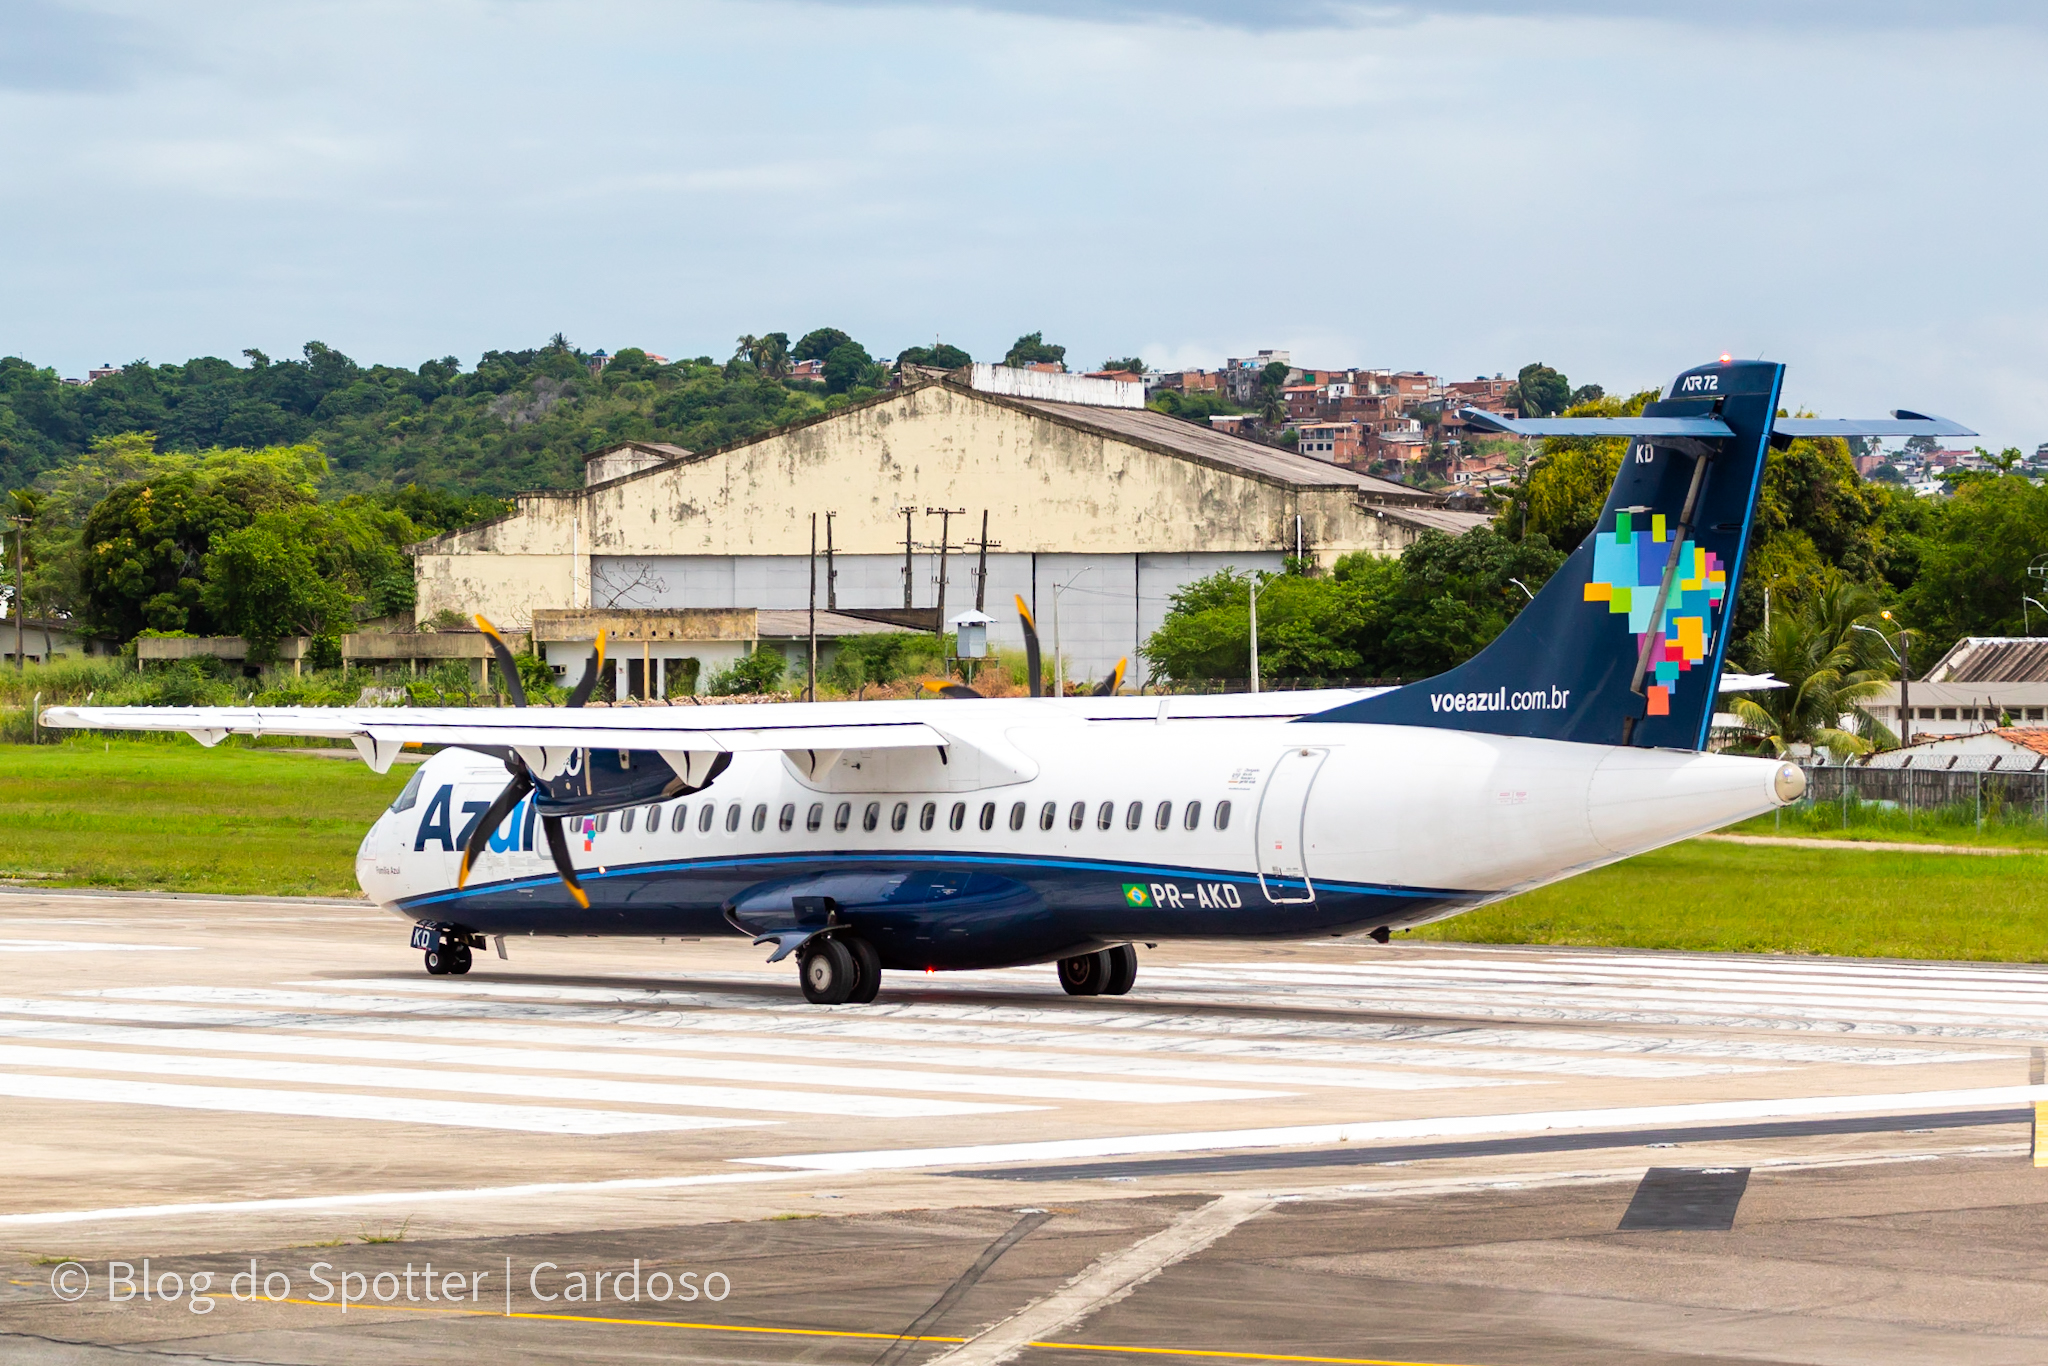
{"points": [[1283, 807]]}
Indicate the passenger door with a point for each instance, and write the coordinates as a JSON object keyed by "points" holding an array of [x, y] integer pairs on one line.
{"points": [[1283, 807]]}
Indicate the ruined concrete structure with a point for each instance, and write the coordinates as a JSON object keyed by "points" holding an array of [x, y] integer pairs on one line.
{"points": [[1108, 508]]}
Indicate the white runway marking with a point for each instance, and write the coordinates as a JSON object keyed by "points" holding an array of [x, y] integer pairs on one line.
{"points": [[88, 946], [436, 1052], [1458, 1126], [505, 1084], [532, 1119]]}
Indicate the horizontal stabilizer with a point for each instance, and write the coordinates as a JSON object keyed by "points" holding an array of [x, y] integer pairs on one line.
{"points": [[1901, 423], [1700, 428]]}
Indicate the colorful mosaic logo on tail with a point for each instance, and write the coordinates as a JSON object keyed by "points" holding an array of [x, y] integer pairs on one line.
{"points": [[1628, 568]]}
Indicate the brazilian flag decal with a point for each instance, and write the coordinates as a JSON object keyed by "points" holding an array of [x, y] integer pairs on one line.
{"points": [[1136, 895]]}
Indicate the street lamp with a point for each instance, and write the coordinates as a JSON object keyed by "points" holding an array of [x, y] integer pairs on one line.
{"points": [[1524, 587], [1059, 667], [2027, 622], [1901, 653]]}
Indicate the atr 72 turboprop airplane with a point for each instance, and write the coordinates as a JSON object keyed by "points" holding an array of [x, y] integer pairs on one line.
{"points": [[971, 834]]}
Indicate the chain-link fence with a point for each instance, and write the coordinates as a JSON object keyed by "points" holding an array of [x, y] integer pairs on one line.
{"points": [[1947, 796]]}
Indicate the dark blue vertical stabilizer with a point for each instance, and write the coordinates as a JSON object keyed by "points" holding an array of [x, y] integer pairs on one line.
{"points": [[1624, 645]]}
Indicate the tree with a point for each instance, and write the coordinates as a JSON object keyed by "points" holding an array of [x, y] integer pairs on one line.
{"points": [[938, 356], [1564, 486], [758, 672], [1971, 559], [848, 365], [1195, 408], [1133, 364], [1032, 349], [820, 343], [262, 584], [1830, 668], [769, 355], [1540, 391], [1272, 393]]}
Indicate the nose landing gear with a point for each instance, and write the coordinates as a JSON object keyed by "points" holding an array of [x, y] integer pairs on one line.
{"points": [[1111, 972], [446, 948]]}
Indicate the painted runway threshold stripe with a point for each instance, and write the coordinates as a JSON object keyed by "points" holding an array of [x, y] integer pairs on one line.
{"points": [[305, 1203], [640, 1066], [88, 946], [549, 1088], [1455, 1126], [533, 1119]]}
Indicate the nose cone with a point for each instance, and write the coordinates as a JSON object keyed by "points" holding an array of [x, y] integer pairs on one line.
{"points": [[376, 868], [1643, 798]]}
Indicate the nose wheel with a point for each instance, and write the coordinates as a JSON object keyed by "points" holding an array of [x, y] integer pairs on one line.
{"points": [[446, 949]]}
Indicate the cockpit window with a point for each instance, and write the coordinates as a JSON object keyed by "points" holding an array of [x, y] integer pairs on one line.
{"points": [[411, 794]]}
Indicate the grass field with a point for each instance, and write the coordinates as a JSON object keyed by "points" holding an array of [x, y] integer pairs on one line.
{"points": [[168, 815]]}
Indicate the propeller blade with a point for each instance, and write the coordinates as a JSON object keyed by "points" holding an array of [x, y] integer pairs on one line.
{"points": [[1031, 664], [588, 683], [1108, 686], [508, 667], [494, 814], [949, 689], [558, 847]]}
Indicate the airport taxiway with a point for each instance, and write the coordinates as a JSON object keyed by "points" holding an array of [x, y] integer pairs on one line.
{"points": [[1327, 1151]]}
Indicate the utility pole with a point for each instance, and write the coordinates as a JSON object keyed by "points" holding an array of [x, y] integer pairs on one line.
{"points": [[20, 603], [1256, 586], [909, 545], [811, 679], [945, 516], [831, 571], [981, 570]]}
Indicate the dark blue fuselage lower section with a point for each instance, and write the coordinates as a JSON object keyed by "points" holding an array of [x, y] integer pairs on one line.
{"points": [[940, 911]]}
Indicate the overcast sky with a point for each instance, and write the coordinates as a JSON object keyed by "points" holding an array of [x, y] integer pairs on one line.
{"points": [[1855, 189]]}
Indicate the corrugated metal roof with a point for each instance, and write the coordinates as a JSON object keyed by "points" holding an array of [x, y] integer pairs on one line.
{"points": [[1440, 519], [1207, 444], [1993, 659]]}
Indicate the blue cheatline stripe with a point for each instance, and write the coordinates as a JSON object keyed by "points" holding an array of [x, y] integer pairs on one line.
{"points": [[1119, 870], [1756, 484]]}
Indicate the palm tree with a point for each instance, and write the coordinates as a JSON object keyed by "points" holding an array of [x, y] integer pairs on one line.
{"points": [[1829, 670]]}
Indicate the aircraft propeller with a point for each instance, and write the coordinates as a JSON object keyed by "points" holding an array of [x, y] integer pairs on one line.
{"points": [[522, 777]]}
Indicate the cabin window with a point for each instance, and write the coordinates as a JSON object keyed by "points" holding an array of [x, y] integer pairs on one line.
{"points": [[1223, 815], [732, 819], [899, 816], [1193, 820], [1105, 816], [928, 816], [604, 820], [871, 817], [1134, 815], [626, 821], [705, 815], [1162, 816], [1016, 815], [842, 817], [1047, 814], [958, 817], [760, 818], [814, 819], [653, 819], [679, 819], [1077, 815], [988, 815]]}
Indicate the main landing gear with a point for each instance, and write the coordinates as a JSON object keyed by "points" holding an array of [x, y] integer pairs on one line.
{"points": [[1107, 973], [839, 969]]}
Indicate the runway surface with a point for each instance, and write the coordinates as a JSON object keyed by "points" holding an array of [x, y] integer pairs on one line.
{"points": [[1334, 1151]]}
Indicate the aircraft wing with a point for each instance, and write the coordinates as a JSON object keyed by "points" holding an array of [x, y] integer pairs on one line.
{"points": [[1701, 428], [542, 735]]}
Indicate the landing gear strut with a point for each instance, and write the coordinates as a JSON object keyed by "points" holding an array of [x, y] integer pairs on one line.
{"points": [[1107, 973]]}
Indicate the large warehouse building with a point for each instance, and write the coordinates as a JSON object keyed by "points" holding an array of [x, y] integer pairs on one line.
{"points": [[1098, 510]]}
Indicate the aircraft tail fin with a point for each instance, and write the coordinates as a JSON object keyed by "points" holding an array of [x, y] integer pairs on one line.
{"points": [[1624, 644]]}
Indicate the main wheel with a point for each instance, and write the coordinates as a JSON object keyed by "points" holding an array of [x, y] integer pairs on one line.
{"points": [[1123, 969], [828, 973], [437, 962], [1085, 974], [458, 959], [868, 967]]}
